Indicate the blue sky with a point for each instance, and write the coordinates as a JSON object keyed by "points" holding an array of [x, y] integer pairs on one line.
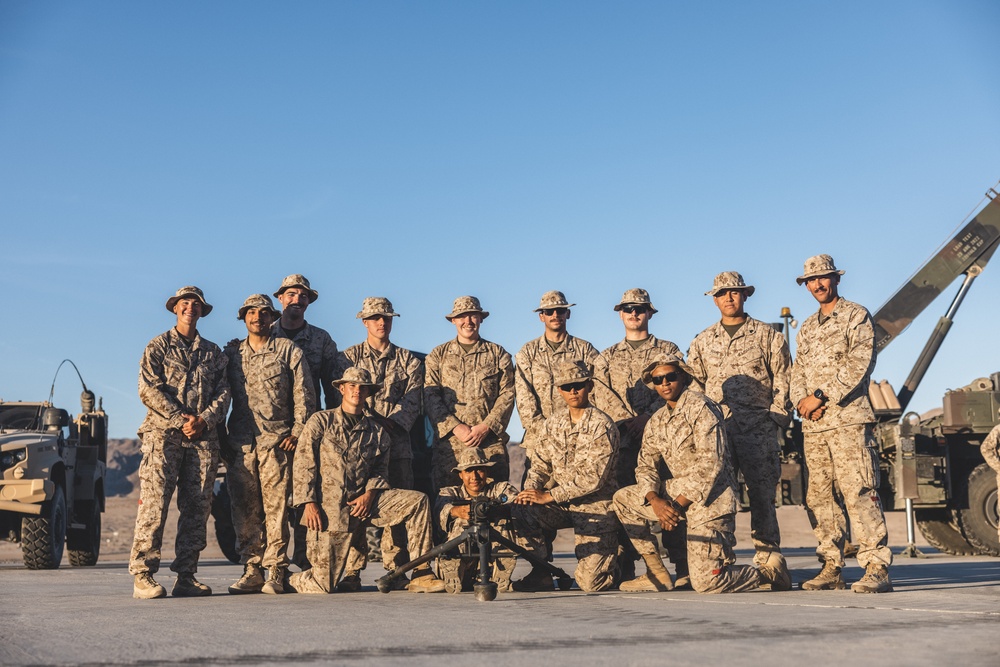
{"points": [[422, 151]]}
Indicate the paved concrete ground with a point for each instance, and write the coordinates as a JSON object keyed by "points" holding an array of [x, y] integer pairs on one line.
{"points": [[945, 611]]}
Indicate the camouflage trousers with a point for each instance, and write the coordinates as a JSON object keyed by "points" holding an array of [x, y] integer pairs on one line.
{"points": [[756, 454], [165, 466], [445, 457], [329, 551], [845, 457], [595, 530], [711, 560], [259, 483], [392, 540]]}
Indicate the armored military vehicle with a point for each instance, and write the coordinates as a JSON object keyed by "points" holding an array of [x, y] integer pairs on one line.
{"points": [[52, 471], [931, 464]]}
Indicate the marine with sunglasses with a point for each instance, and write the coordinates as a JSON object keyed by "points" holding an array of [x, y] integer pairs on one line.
{"points": [[535, 370], [743, 364], [687, 439]]}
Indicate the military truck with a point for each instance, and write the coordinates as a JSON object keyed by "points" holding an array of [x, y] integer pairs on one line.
{"points": [[52, 471], [931, 464]]}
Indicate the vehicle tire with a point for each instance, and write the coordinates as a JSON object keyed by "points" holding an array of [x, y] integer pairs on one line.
{"points": [[84, 544], [43, 537], [940, 531], [979, 520], [225, 533]]}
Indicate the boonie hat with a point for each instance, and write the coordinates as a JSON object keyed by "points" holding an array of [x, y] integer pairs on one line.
{"points": [[473, 457], [818, 265], [297, 280], [664, 360], [256, 301], [356, 375], [189, 291], [569, 372], [376, 305], [728, 280], [636, 297], [553, 299], [466, 304]]}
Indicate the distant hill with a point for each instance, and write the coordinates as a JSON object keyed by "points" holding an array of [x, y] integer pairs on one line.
{"points": [[122, 478]]}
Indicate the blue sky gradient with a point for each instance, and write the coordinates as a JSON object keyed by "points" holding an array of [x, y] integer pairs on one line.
{"points": [[422, 151]]}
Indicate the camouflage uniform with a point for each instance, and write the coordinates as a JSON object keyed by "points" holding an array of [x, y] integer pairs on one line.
{"points": [[177, 377], [272, 398], [747, 375], [684, 453], [401, 375], [991, 452], [321, 354], [534, 380], [838, 356], [449, 497], [398, 402], [625, 366], [334, 463], [470, 388], [578, 462]]}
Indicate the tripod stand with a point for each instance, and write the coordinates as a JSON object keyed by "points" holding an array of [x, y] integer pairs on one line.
{"points": [[480, 534]]}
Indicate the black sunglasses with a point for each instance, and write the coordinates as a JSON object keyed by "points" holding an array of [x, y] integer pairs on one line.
{"points": [[573, 386], [632, 310], [669, 377], [549, 312]]}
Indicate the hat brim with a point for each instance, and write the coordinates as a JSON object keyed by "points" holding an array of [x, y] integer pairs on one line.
{"points": [[373, 385], [816, 274], [451, 316], [648, 371], [364, 316], [243, 311], [313, 294], [567, 306], [206, 307], [749, 289], [636, 303], [461, 468]]}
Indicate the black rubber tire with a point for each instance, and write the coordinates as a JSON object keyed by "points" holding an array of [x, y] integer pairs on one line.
{"points": [[940, 531], [978, 521], [84, 544], [225, 533], [43, 537]]}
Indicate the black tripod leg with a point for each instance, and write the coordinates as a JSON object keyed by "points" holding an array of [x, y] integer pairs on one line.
{"points": [[532, 558], [385, 583], [484, 588]]}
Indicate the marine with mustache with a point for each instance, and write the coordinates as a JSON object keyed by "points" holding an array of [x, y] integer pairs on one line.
{"points": [[835, 357], [272, 399]]}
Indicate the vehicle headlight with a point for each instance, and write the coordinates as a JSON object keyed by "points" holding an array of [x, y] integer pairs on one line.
{"points": [[12, 458]]}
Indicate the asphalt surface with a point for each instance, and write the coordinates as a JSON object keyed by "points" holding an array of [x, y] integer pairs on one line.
{"points": [[945, 611]]}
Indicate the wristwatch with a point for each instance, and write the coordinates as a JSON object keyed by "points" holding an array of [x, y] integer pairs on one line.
{"points": [[819, 394]]}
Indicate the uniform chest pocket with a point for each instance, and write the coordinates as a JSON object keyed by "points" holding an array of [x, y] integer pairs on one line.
{"points": [[491, 384], [176, 371]]}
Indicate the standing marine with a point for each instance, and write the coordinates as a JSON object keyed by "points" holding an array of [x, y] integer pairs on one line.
{"points": [[834, 360], [183, 384]]}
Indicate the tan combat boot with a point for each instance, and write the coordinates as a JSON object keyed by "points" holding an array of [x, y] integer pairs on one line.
{"points": [[146, 588], [350, 582], [876, 580], [774, 572], [828, 579], [656, 577], [187, 586], [424, 581], [251, 581], [536, 581], [275, 584]]}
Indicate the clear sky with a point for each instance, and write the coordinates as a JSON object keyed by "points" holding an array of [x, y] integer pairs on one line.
{"points": [[425, 150]]}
